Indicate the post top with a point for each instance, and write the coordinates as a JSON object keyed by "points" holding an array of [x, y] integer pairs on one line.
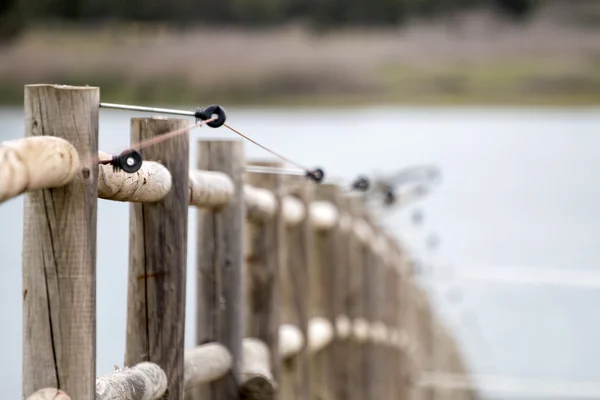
{"points": [[64, 87]]}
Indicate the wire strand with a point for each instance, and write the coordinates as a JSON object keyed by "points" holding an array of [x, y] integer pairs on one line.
{"points": [[283, 158], [169, 135]]}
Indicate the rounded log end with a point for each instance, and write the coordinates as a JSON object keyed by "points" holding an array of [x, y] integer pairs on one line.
{"points": [[261, 204], [49, 394], [149, 184], [257, 387], [320, 333], [210, 189], [343, 326], [293, 210], [291, 340], [324, 215], [360, 330], [206, 363]]}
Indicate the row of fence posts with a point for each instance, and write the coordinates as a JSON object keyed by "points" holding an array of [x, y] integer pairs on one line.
{"points": [[301, 294]]}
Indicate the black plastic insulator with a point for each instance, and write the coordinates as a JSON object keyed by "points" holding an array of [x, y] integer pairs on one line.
{"points": [[361, 183], [389, 197], [208, 112], [316, 175], [129, 161]]}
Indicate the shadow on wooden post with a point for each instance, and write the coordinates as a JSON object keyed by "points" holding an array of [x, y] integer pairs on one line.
{"points": [[158, 259], [326, 293], [219, 304], [59, 249], [265, 258], [295, 377]]}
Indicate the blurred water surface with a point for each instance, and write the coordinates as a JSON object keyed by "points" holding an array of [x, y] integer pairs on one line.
{"points": [[518, 190]]}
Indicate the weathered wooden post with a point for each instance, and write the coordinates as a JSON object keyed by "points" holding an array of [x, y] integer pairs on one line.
{"points": [[295, 377], [158, 259], [343, 270], [326, 290], [59, 249], [404, 322], [355, 303], [266, 257], [389, 305], [219, 313], [371, 291], [396, 319]]}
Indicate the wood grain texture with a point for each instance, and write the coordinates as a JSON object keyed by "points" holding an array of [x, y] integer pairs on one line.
{"points": [[149, 184], [295, 377], [158, 259], [39, 162], [257, 382], [209, 189], [265, 258], [49, 394], [143, 381], [355, 301], [324, 364], [59, 249], [206, 363], [219, 307], [345, 344]]}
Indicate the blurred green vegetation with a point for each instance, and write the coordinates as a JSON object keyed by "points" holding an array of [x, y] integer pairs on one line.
{"points": [[304, 52], [322, 14]]}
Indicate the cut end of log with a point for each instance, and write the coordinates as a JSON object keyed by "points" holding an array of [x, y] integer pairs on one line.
{"points": [[320, 333], [343, 326], [323, 215], [205, 363], [360, 330], [210, 189], [256, 387], [291, 340], [293, 210], [261, 204], [257, 381], [149, 184]]}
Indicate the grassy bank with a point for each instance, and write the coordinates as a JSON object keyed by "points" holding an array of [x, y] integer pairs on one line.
{"points": [[421, 64]]}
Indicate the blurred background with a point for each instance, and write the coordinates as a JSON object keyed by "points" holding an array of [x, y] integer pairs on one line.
{"points": [[503, 96]]}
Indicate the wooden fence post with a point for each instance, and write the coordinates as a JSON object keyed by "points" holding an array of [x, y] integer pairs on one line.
{"points": [[219, 312], [371, 271], [295, 377], [343, 325], [390, 385], [158, 259], [325, 293], [266, 257], [355, 305], [59, 249]]}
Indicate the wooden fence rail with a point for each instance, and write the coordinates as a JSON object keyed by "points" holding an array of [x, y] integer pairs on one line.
{"points": [[300, 294]]}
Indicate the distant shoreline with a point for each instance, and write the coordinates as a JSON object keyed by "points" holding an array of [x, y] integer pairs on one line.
{"points": [[475, 60]]}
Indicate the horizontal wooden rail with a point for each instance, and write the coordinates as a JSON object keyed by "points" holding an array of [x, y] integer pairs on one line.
{"points": [[149, 184], [320, 333], [256, 378], [38, 162], [291, 340], [205, 363], [44, 162], [144, 381]]}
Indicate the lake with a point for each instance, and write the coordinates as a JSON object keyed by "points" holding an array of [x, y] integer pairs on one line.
{"points": [[519, 193]]}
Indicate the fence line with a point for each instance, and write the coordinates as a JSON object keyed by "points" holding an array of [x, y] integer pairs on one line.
{"points": [[300, 294]]}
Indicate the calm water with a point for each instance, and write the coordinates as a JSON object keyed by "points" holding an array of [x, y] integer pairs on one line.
{"points": [[519, 191]]}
